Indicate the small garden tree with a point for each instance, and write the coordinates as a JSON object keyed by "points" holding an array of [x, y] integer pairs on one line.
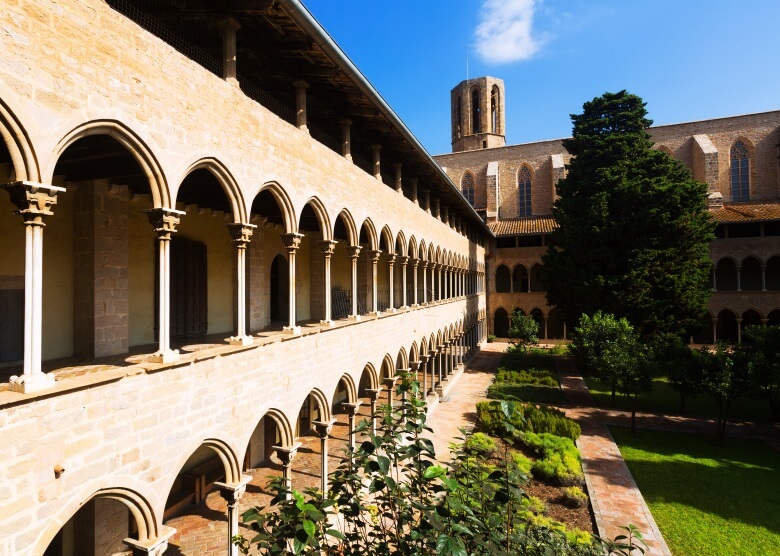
{"points": [[524, 330], [725, 377], [761, 345], [677, 359]]}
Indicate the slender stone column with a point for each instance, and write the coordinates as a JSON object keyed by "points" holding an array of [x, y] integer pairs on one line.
{"points": [[373, 395], [739, 331], [241, 235], [374, 279], [300, 104], [404, 262], [326, 248], [346, 140], [352, 411], [739, 278], [451, 345], [715, 330], [286, 454], [164, 222], [33, 201], [229, 26], [376, 161], [414, 368], [413, 183], [390, 383], [292, 242], [763, 276], [398, 183], [434, 366], [232, 493], [544, 317], [323, 429], [414, 274], [354, 255], [391, 265], [439, 271], [425, 282], [424, 367]]}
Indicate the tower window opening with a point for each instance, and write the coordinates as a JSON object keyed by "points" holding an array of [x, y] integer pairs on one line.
{"points": [[476, 112]]}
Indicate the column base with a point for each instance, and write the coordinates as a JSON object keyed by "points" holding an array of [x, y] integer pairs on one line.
{"points": [[292, 330], [27, 384], [375, 313], [354, 317], [329, 323], [439, 390], [391, 310], [403, 308], [241, 340], [169, 356]]}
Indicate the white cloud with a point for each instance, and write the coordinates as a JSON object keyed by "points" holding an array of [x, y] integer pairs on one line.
{"points": [[505, 31]]}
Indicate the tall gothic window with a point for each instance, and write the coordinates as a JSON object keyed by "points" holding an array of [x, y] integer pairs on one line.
{"points": [[467, 187], [524, 191], [494, 110], [476, 112], [740, 172], [458, 117]]}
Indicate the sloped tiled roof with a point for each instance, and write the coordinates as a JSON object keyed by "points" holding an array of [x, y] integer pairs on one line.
{"points": [[746, 212], [521, 226]]}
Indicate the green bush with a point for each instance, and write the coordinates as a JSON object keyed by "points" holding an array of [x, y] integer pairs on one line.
{"points": [[534, 505], [480, 443], [574, 497], [558, 458], [520, 462], [526, 392], [526, 376], [578, 537], [491, 338], [533, 418]]}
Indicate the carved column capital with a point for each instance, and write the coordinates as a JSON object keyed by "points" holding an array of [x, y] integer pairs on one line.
{"points": [[323, 428], [373, 393], [327, 246], [375, 254], [351, 408], [33, 200], [403, 260], [391, 257], [292, 241], [286, 453], [241, 233], [354, 251], [164, 221]]}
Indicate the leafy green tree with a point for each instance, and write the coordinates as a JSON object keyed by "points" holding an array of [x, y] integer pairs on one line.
{"points": [[761, 348], [524, 330], [725, 376], [678, 361], [632, 228]]}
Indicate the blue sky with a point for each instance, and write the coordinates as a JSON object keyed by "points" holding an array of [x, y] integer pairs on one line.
{"points": [[689, 59]]}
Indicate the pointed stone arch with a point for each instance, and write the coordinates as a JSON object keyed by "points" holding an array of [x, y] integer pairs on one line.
{"points": [[283, 202], [349, 224], [371, 235], [158, 184], [322, 216], [225, 179], [322, 403], [351, 388], [17, 141], [400, 244]]}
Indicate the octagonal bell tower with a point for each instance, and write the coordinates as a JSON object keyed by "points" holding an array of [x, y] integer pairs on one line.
{"points": [[477, 113]]}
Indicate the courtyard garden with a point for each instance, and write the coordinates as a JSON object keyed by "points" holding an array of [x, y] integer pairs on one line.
{"points": [[707, 499]]}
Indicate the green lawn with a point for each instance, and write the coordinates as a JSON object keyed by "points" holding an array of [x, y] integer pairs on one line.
{"points": [[540, 364], [707, 500], [663, 399]]}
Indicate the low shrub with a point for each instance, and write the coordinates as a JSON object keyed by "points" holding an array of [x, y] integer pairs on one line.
{"points": [[480, 443], [574, 497], [520, 462], [558, 461], [526, 392], [542, 377], [544, 541], [534, 505], [578, 537], [491, 338], [533, 418], [519, 361]]}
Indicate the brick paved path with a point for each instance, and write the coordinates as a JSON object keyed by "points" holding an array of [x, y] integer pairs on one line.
{"points": [[614, 496]]}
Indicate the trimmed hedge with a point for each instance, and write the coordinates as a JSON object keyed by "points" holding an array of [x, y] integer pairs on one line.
{"points": [[542, 377], [532, 418], [525, 392]]}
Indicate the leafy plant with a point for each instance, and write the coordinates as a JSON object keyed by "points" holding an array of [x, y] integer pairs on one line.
{"points": [[524, 330], [574, 497], [559, 459], [479, 443]]}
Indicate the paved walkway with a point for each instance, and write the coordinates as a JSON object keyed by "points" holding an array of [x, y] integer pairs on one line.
{"points": [[614, 496]]}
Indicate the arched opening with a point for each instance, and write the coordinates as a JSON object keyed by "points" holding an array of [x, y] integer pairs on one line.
{"points": [[343, 402], [740, 172], [503, 280], [367, 242], [307, 469], [536, 279], [726, 275], [555, 325], [773, 318], [98, 527], [310, 267], [727, 326], [702, 334], [100, 246], [268, 276], [387, 246], [476, 111], [773, 274], [398, 273], [751, 317], [202, 273], [501, 324], [538, 316], [520, 279], [750, 275], [494, 116], [12, 253], [341, 269], [280, 290], [458, 120]]}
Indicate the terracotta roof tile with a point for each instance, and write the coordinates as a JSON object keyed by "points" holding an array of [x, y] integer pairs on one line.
{"points": [[747, 212], [521, 226]]}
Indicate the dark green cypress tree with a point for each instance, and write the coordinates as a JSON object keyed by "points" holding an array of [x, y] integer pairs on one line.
{"points": [[633, 225]]}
